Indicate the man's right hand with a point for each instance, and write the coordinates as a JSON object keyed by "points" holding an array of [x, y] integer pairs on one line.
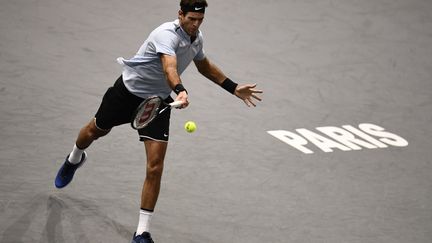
{"points": [[183, 97]]}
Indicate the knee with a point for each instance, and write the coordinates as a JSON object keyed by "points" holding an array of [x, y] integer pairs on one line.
{"points": [[93, 132], [154, 169]]}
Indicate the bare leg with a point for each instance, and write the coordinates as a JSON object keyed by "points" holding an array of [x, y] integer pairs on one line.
{"points": [[88, 134], [155, 152]]}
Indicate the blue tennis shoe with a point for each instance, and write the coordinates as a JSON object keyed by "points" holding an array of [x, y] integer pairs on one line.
{"points": [[67, 171], [142, 238]]}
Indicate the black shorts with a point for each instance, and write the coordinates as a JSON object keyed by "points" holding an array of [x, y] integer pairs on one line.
{"points": [[118, 106]]}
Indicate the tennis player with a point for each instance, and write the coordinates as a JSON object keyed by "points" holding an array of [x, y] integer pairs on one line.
{"points": [[154, 70]]}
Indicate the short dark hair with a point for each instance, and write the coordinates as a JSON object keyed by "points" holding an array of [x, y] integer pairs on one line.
{"points": [[187, 5]]}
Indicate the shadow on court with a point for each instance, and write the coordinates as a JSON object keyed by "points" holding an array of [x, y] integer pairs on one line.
{"points": [[64, 217]]}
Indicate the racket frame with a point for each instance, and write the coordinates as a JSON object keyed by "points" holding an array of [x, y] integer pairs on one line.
{"points": [[151, 112]]}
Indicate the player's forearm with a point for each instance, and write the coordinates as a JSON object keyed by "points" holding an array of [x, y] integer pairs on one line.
{"points": [[174, 81], [172, 77], [215, 74], [169, 65], [211, 71]]}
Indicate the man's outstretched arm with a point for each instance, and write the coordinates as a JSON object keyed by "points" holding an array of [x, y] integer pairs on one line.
{"points": [[244, 92]]}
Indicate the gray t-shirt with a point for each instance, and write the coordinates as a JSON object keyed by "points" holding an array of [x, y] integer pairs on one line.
{"points": [[143, 74]]}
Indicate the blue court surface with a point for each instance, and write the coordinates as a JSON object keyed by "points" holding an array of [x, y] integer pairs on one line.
{"points": [[339, 150]]}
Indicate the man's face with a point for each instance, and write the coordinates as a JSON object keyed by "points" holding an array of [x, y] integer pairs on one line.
{"points": [[191, 22]]}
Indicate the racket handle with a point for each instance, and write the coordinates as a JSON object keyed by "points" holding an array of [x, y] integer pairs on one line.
{"points": [[176, 103]]}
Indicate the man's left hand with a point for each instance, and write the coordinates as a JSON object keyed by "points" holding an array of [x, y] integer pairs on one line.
{"points": [[247, 92]]}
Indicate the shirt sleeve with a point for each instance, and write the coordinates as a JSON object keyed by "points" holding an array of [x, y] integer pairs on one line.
{"points": [[200, 55], [165, 42]]}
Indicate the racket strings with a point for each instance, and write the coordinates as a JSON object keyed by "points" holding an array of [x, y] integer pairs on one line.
{"points": [[147, 112]]}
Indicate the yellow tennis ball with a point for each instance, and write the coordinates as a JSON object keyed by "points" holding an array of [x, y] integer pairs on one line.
{"points": [[190, 126]]}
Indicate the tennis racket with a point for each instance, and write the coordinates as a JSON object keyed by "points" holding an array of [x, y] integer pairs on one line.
{"points": [[149, 109]]}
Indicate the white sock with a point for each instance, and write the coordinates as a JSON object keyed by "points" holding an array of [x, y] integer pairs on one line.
{"points": [[75, 155], [144, 221]]}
